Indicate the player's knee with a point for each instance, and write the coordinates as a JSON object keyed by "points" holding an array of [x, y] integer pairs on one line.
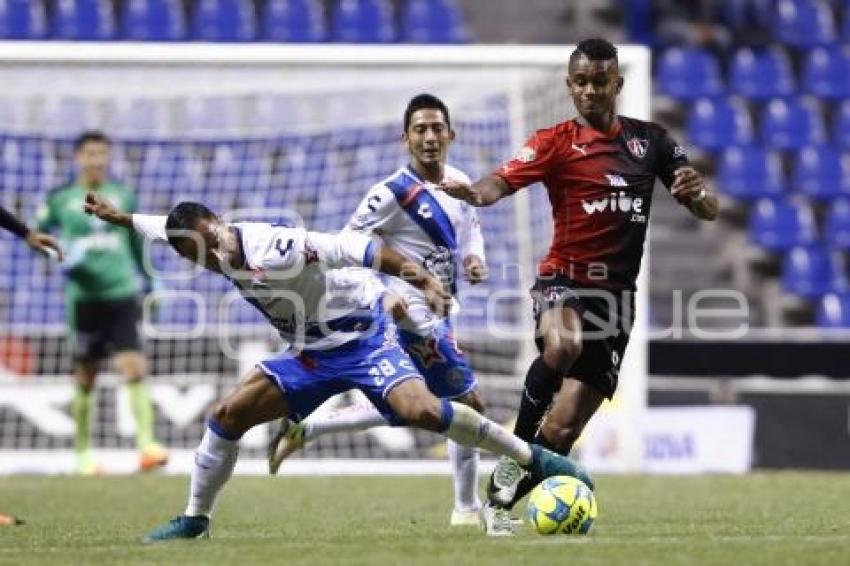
{"points": [[562, 352], [229, 417], [561, 437], [423, 413]]}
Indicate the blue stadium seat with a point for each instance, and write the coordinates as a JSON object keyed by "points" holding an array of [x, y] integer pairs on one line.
{"points": [[803, 23], [172, 172], [83, 20], [778, 224], [750, 173], [759, 74], [223, 20], [293, 21], [837, 224], [153, 20], [826, 72], [821, 173], [362, 21], [433, 21], [239, 177], [718, 123], [812, 271], [841, 126], [792, 123], [834, 311], [687, 73], [22, 19]]}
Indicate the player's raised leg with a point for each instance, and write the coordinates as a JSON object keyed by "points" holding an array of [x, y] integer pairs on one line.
{"points": [[255, 400]]}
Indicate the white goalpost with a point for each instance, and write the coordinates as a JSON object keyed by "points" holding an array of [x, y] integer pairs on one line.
{"points": [[284, 133]]}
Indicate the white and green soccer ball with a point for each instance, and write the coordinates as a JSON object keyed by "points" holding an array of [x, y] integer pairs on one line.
{"points": [[562, 504]]}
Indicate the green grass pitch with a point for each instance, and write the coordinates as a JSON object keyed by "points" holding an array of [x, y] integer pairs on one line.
{"points": [[774, 519]]}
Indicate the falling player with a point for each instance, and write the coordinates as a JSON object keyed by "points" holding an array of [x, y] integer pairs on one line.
{"points": [[407, 212], [599, 169], [338, 334]]}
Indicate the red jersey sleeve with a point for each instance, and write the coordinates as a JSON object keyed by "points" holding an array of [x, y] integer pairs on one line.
{"points": [[671, 156], [532, 163]]}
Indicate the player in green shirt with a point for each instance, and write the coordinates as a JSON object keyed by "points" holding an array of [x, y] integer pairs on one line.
{"points": [[102, 262]]}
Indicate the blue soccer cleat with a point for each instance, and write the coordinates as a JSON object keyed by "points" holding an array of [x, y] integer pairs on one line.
{"points": [[181, 527], [545, 464]]}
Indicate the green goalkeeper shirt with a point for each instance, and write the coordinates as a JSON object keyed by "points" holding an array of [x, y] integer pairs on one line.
{"points": [[101, 259]]}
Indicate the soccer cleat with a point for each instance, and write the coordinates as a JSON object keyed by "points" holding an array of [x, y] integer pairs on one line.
{"points": [[465, 518], [496, 521], [545, 464], [289, 439], [502, 487], [182, 527], [87, 465], [152, 457]]}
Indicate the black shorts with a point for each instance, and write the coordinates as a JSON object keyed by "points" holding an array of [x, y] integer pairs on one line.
{"points": [[607, 318], [102, 327]]}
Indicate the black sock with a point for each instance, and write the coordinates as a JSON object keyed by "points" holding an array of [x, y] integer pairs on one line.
{"points": [[541, 383]]}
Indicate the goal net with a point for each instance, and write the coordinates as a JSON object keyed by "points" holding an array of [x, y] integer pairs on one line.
{"points": [[262, 132]]}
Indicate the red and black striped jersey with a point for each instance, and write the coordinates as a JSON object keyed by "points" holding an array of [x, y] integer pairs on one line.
{"points": [[600, 187]]}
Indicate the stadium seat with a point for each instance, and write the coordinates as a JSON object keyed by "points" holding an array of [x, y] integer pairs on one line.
{"points": [[172, 172], [22, 19], [239, 176], [718, 123], [812, 271], [821, 173], [362, 21], [223, 20], [749, 173], [293, 21], [83, 20], [153, 20], [826, 72], [778, 225], [841, 125], [833, 311], [837, 224], [792, 123], [759, 74], [803, 23], [687, 73], [433, 21]]}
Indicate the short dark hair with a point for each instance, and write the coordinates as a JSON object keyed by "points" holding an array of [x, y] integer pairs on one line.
{"points": [[182, 219], [595, 49], [90, 136], [425, 100]]}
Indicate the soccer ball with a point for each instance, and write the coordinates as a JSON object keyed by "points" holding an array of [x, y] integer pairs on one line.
{"points": [[562, 504]]}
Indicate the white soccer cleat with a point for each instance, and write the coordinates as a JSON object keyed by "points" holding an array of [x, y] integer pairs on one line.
{"points": [[289, 439], [496, 521], [465, 518], [504, 481]]}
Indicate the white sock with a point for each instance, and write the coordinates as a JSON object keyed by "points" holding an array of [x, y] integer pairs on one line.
{"points": [[214, 462], [472, 429], [352, 418], [464, 461]]}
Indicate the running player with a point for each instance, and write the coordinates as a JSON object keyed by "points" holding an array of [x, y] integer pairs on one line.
{"points": [[408, 214], [599, 169], [338, 334]]}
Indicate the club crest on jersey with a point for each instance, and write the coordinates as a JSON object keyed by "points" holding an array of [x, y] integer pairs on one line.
{"points": [[638, 147], [526, 155]]}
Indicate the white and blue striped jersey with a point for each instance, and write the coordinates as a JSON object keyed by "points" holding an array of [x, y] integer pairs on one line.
{"points": [[426, 225], [300, 280]]}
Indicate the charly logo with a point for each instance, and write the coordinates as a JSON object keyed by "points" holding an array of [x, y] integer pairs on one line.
{"points": [[526, 155], [638, 147]]}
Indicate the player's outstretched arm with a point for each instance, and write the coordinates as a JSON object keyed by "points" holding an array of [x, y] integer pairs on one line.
{"points": [[389, 261], [44, 243], [690, 190], [106, 211], [483, 192]]}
